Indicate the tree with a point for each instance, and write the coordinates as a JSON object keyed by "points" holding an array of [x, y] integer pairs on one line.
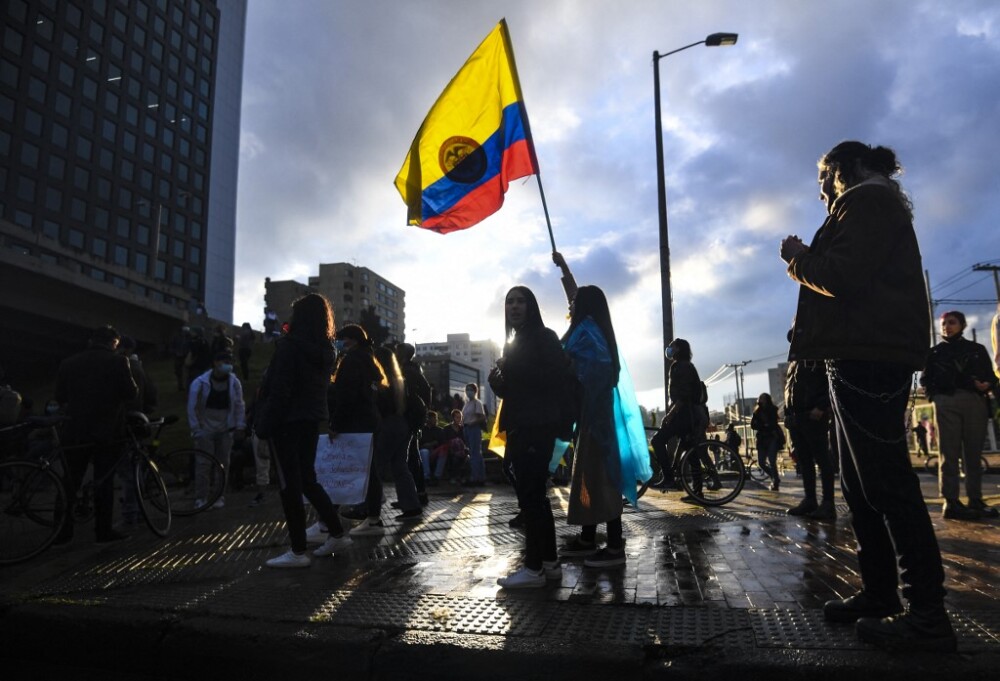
{"points": [[372, 324]]}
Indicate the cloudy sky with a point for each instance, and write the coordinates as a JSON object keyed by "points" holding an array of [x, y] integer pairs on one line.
{"points": [[334, 91]]}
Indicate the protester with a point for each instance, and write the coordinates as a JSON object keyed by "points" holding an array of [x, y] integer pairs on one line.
{"points": [[595, 491], [764, 423], [920, 431], [733, 438], [199, 357], [433, 449], [217, 415], [93, 388], [474, 423], [392, 442], [291, 406], [245, 339], [686, 417], [958, 377], [353, 398], [528, 377], [863, 308], [146, 400], [418, 399], [807, 417], [455, 450]]}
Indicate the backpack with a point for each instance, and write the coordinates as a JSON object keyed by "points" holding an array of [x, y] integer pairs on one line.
{"points": [[10, 405], [703, 395]]}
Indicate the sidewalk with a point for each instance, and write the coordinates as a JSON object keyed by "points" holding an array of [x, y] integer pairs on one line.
{"points": [[707, 593]]}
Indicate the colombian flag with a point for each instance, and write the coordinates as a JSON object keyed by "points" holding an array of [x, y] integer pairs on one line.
{"points": [[474, 141]]}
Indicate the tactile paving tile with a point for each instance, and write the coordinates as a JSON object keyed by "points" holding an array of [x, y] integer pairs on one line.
{"points": [[801, 630], [599, 623], [988, 621], [976, 630], [699, 627]]}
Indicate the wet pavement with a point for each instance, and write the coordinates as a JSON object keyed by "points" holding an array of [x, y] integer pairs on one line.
{"points": [[704, 591]]}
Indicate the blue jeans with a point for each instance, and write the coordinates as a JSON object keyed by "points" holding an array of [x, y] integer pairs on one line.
{"points": [[474, 440]]}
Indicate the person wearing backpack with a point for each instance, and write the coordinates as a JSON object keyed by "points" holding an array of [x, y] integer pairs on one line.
{"points": [[769, 437]]}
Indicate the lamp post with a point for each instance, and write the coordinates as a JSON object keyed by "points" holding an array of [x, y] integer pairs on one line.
{"points": [[714, 40]]}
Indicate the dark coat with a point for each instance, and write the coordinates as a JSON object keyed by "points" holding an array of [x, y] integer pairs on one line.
{"points": [[955, 364], [95, 386], [295, 384], [806, 388], [534, 380], [353, 393], [862, 294]]}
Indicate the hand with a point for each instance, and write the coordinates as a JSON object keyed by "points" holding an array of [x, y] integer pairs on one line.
{"points": [[792, 246], [559, 260], [980, 385]]}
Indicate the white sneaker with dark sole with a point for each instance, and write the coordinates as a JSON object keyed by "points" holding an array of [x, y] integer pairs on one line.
{"points": [[290, 559], [523, 579], [316, 534], [552, 569], [332, 545]]}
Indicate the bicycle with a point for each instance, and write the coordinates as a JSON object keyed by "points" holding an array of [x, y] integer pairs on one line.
{"points": [[33, 498], [933, 461], [180, 469], [710, 471]]}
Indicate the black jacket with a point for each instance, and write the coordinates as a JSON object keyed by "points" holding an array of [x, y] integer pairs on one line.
{"points": [[806, 388], [352, 395], [95, 386], [954, 364], [295, 384], [862, 294], [536, 381]]}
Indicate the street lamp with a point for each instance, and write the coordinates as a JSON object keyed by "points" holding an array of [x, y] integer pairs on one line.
{"points": [[714, 40]]}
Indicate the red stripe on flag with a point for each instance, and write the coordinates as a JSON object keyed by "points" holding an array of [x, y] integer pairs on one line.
{"points": [[487, 198]]}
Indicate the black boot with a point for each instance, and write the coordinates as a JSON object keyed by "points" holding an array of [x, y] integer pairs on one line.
{"points": [[805, 507], [984, 509], [861, 604], [924, 628], [956, 510], [825, 511]]}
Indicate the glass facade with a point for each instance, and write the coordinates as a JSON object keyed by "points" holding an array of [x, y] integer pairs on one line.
{"points": [[108, 120]]}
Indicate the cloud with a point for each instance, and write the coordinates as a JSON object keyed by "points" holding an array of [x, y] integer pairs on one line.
{"points": [[334, 92]]}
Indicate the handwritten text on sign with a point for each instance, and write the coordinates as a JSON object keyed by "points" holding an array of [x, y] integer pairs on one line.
{"points": [[342, 466]]}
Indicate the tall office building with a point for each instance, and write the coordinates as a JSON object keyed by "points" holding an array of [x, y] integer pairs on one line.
{"points": [[119, 145]]}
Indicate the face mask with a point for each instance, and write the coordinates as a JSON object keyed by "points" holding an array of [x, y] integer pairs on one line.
{"points": [[338, 345], [469, 393], [225, 368], [669, 352]]}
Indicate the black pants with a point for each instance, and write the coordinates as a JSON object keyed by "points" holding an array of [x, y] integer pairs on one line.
{"points": [[245, 363], [415, 465], [105, 457], [615, 541], [529, 450], [294, 448], [811, 441], [888, 512], [680, 425]]}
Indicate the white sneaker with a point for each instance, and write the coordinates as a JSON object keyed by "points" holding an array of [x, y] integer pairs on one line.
{"points": [[523, 579], [368, 527], [219, 503], [290, 559], [333, 544], [552, 569], [316, 533], [199, 503]]}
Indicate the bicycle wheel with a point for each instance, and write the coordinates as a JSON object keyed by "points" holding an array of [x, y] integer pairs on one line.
{"points": [[712, 473], [153, 498], [180, 469], [32, 510], [654, 481], [755, 472]]}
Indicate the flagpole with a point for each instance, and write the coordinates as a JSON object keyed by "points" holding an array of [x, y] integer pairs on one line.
{"points": [[545, 207], [527, 127]]}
